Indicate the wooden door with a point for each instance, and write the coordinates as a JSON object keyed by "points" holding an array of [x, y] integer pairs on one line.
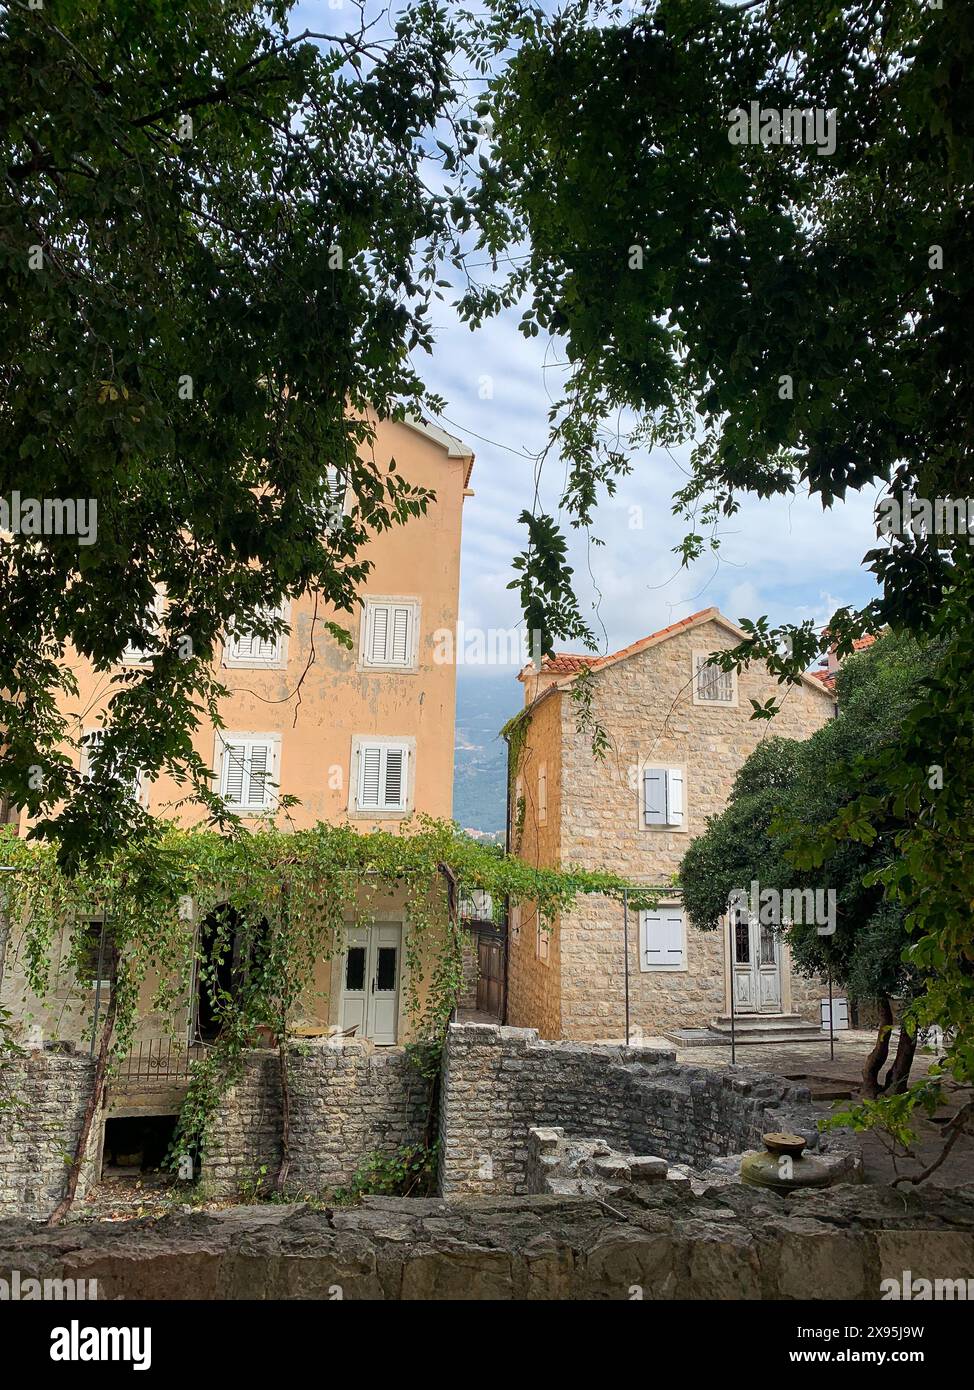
{"points": [[490, 975]]}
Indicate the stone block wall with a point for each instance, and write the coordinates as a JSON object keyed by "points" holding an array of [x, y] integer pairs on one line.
{"points": [[346, 1102], [500, 1083], [645, 704], [471, 969], [49, 1094], [534, 977]]}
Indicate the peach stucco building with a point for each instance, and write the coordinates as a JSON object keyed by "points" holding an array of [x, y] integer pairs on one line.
{"points": [[369, 738]]}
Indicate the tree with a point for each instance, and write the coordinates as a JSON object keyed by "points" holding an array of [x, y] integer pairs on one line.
{"points": [[785, 792], [796, 308], [217, 251]]}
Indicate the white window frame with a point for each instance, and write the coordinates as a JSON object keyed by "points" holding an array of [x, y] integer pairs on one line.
{"points": [[363, 744], [370, 609], [139, 656], [673, 783], [331, 515], [272, 660], [228, 739], [94, 735], [700, 658], [671, 910]]}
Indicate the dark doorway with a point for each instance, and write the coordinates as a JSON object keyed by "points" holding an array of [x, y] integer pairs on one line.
{"points": [[230, 948], [137, 1143]]}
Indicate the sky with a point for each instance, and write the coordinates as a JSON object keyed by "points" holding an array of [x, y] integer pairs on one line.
{"points": [[785, 558]]}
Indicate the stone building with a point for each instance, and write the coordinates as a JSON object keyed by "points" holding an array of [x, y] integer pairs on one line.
{"points": [[678, 731]]}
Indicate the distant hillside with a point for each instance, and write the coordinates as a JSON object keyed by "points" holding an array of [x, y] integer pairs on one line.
{"points": [[484, 705]]}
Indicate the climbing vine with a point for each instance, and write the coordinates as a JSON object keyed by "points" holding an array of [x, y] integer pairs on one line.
{"points": [[276, 904]]}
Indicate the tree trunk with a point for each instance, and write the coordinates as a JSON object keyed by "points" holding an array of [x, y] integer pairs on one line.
{"points": [[898, 1076], [877, 1058], [94, 1100]]}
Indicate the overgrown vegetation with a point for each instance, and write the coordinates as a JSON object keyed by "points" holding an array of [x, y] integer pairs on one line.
{"points": [[776, 830], [278, 903]]}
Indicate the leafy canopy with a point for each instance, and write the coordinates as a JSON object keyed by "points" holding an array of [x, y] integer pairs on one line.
{"points": [[783, 796], [217, 252], [802, 317]]}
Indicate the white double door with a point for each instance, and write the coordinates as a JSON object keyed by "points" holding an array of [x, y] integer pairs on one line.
{"points": [[370, 981], [757, 967]]}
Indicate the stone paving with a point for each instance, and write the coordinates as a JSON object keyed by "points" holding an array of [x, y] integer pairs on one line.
{"points": [[813, 1060]]}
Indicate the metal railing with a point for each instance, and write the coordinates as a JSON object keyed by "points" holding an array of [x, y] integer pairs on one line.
{"points": [[157, 1060]]}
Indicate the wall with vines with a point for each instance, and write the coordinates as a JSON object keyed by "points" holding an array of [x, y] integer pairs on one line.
{"points": [[294, 895]]}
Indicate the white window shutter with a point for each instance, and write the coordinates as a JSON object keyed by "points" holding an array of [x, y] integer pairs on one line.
{"points": [[672, 938], [714, 686], [370, 765], [654, 795], [258, 768], [389, 634], [674, 796], [153, 620], [382, 777], [244, 646], [651, 933], [90, 743], [662, 939], [395, 777], [333, 506], [399, 646], [234, 773], [378, 636]]}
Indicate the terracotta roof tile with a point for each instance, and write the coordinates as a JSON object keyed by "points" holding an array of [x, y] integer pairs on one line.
{"points": [[565, 663]]}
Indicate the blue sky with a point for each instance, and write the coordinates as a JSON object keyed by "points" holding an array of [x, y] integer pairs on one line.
{"points": [[785, 558]]}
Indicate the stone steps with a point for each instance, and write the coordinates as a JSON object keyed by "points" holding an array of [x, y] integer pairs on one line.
{"points": [[768, 1028]]}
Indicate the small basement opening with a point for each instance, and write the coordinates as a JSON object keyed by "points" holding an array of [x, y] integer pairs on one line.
{"points": [[136, 1144]]}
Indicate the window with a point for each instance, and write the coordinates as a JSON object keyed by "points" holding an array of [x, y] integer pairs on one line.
{"points": [[382, 783], [244, 648], [248, 771], [542, 941], [91, 743], [389, 628], [662, 939], [476, 905], [334, 504], [711, 685], [663, 798], [94, 951], [542, 793], [133, 653]]}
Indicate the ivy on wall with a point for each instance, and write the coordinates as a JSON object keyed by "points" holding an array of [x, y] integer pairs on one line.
{"points": [[287, 900]]}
